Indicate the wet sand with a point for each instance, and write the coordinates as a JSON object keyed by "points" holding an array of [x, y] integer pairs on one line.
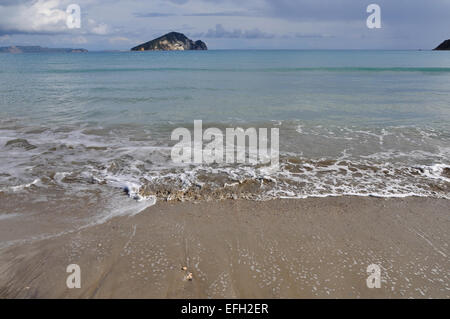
{"points": [[308, 248]]}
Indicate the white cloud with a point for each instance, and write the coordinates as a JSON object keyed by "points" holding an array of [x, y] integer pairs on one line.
{"points": [[99, 29], [42, 16]]}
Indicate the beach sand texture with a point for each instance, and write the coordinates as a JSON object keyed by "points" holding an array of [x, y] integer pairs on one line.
{"points": [[308, 248]]}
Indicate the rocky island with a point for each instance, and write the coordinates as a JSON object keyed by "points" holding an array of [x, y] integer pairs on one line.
{"points": [[172, 41], [443, 46], [38, 49]]}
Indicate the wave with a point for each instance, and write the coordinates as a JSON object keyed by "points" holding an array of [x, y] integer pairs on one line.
{"points": [[132, 166], [295, 178]]}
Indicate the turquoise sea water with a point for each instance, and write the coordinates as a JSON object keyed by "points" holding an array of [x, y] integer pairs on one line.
{"points": [[340, 87], [90, 125]]}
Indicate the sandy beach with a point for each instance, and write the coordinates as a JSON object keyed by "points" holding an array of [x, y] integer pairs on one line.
{"points": [[285, 248]]}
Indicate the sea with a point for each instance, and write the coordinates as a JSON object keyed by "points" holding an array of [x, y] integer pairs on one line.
{"points": [[87, 136]]}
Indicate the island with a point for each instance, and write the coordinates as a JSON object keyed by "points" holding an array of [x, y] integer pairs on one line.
{"points": [[443, 46], [38, 49], [173, 41]]}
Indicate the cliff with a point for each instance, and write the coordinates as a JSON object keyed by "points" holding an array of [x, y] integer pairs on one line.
{"points": [[172, 41], [444, 45]]}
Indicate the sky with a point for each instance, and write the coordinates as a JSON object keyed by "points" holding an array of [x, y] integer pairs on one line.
{"points": [[227, 24]]}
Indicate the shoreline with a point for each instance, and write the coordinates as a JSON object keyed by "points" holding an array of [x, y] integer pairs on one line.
{"points": [[282, 248]]}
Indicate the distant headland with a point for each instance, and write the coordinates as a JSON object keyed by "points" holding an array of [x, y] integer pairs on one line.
{"points": [[38, 49], [444, 45], [172, 41]]}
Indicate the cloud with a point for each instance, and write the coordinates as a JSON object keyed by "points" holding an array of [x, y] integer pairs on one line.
{"points": [[195, 14], [34, 17], [153, 15], [79, 40], [179, 1], [41, 17], [97, 29], [397, 12], [119, 39], [300, 35], [220, 14], [220, 32]]}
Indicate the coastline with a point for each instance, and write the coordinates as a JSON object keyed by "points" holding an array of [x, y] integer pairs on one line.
{"points": [[283, 248]]}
